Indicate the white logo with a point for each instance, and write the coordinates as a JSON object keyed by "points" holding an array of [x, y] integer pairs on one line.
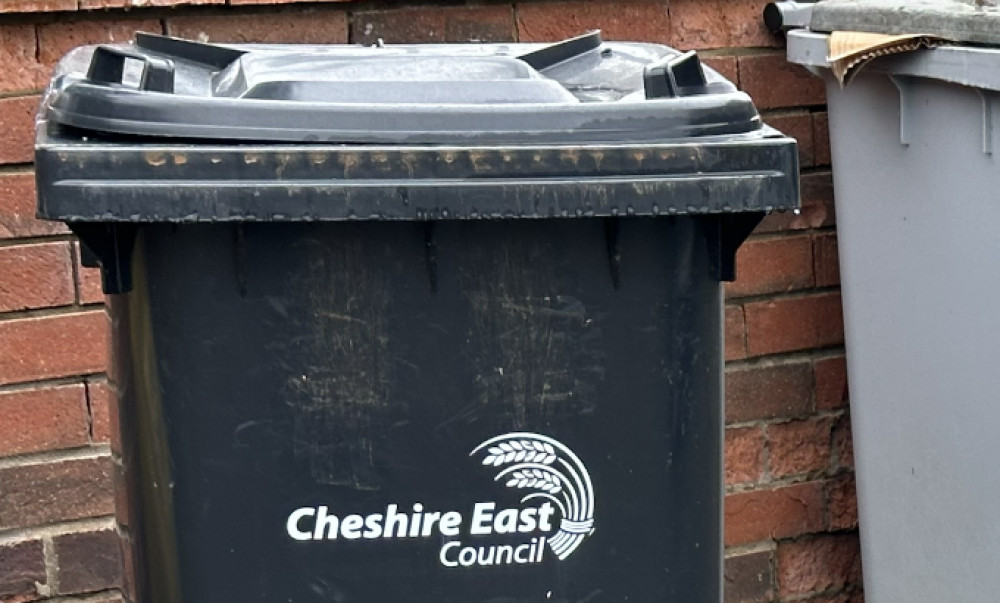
{"points": [[540, 463], [546, 468]]}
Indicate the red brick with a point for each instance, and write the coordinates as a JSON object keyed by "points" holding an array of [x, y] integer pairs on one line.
{"points": [[99, 401], [843, 443], [736, 346], [799, 126], [749, 578], [36, 6], [56, 39], [88, 562], [789, 324], [127, 4], [772, 514], [17, 209], [42, 419], [312, 26], [815, 565], [725, 65], [22, 566], [773, 82], [35, 495], [121, 495], [772, 266], [799, 447], [718, 24], [831, 383], [17, 128], [238, 2], [53, 346], [821, 138], [744, 455], [88, 282], [21, 70], [435, 24], [842, 503], [817, 207], [768, 391], [639, 20], [38, 275], [827, 264]]}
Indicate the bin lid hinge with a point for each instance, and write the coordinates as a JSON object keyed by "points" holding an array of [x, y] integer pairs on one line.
{"points": [[108, 246], [724, 233]]}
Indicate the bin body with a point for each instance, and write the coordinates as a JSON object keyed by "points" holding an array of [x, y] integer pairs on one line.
{"points": [[412, 371], [915, 174]]}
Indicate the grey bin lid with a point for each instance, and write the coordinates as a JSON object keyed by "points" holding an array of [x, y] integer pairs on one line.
{"points": [[976, 21], [577, 90], [169, 130]]}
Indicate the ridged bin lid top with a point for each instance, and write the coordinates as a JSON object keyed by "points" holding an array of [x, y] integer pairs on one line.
{"points": [[959, 20], [579, 90]]}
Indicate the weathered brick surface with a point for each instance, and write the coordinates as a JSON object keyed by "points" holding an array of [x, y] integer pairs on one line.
{"points": [[774, 514], [88, 562], [34, 495], [749, 578], [21, 70], [821, 138], [768, 391], [826, 261], [17, 128], [489, 23], [736, 341], [17, 208], [100, 401], [744, 455], [725, 65], [88, 282], [842, 507], [843, 443], [831, 382], [795, 323], [98, 4], [22, 566], [773, 266], [35, 276], [773, 82], [814, 565], [696, 24], [44, 418], [644, 20], [53, 346], [799, 447], [56, 39], [313, 26], [36, 6]]}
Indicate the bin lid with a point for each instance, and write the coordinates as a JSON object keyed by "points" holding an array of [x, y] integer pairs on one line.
{"points": [[170, 130], [958, 20], [581, 89]]}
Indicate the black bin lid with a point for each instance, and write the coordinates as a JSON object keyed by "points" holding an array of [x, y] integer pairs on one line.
{"points": [[173, 130], [577, 90]]}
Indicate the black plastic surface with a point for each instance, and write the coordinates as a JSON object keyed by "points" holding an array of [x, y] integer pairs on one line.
{"points": [[298, 365]]}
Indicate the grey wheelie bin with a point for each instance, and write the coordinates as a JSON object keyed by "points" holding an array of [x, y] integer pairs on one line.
{"points": [[915, 143], [414, 323]]}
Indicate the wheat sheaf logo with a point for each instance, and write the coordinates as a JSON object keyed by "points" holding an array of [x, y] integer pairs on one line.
{"points": [[530, 461]]}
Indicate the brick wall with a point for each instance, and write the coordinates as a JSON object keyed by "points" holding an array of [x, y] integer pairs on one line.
{"points": [[791, 522]]}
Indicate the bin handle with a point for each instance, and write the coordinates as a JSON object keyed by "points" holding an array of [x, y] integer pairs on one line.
{"points": [[108, 66], [673, 76]]}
